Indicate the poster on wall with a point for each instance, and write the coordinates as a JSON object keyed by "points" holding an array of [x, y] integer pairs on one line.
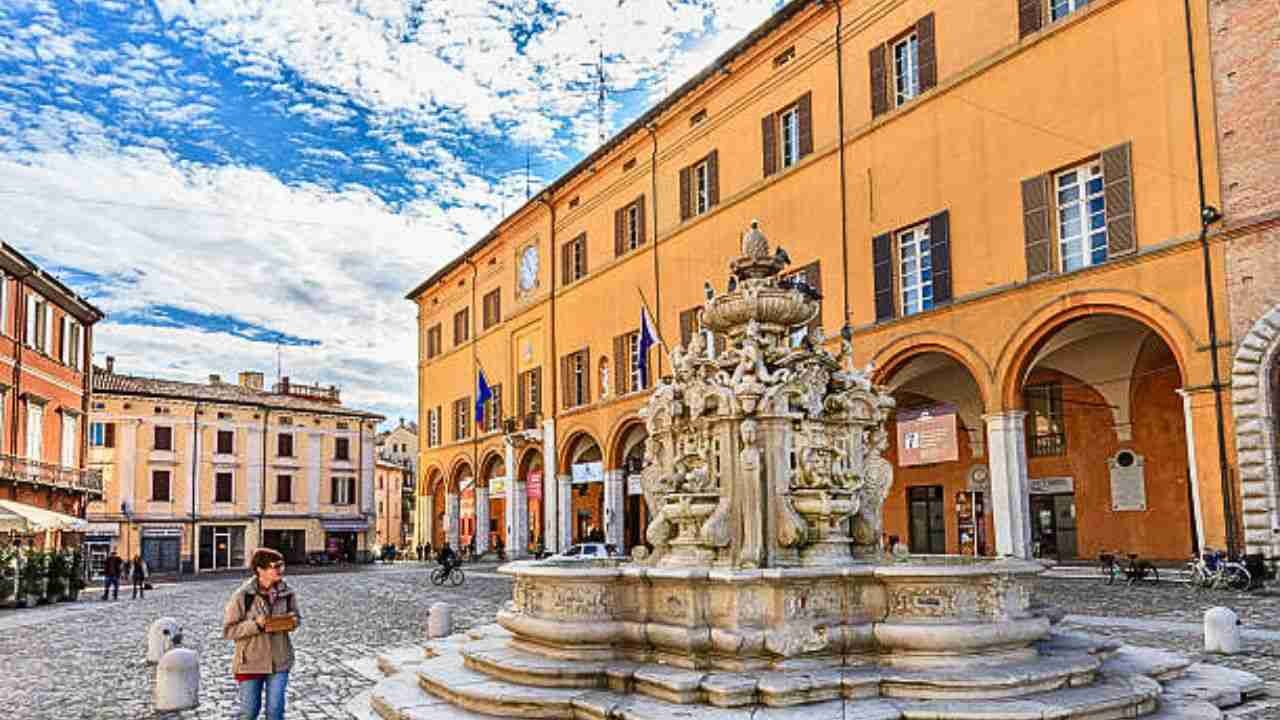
{"points": [[1128, 482], [588, 472], [497, 485], [533, 486], [927, 436]]}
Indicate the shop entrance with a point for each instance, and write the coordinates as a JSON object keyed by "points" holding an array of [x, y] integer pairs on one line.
{"points": [[926, 518], [341, 546], [292, 544], [221, 547], [162, 554], [1053, 526]]}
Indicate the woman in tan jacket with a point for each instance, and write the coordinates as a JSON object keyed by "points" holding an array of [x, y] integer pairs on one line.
{"points": [[259, 617]]}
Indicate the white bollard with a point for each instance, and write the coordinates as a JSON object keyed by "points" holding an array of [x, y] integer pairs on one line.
{"points": [[178, 680], [1221, 631], [440, 621], [163, 634]]}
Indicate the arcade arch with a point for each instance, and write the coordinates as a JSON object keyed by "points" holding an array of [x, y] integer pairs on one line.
{"points": [[627, 460], [531, 474], [493, 479], [585, 462]]}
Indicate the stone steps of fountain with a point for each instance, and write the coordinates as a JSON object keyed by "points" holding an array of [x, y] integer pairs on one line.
{"points": [[435, 681]]}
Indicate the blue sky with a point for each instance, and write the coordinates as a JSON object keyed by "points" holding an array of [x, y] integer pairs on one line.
{"points": [[237, 182]]}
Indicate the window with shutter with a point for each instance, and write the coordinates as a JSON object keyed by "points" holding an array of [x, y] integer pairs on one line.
{"points": [[334, 493], [927, 53], [621, 364], [688, 325], [284, 488], [111, 435], [940, 252], [1030, 16], [882, 272], [1035, 226], [222, 487], [769, 140], [462, 326], [160, 486], [163, 438], [352, 496], [226, 442], [879, 81], [492, 308], [1117, 173], [686, 193]]}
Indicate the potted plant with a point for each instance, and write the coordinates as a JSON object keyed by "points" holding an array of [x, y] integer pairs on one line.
{"points": [[56, 569], [31, 578], [76, 583], [8, 573]]}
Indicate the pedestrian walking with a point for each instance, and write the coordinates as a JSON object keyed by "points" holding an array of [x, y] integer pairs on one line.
{"points": [[111, 576], [259, 617], [139, 574]]}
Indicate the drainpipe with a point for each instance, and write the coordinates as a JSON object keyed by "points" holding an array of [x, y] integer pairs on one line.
{"points": [[86, 362], [657, 282], [475, 378], [1208, 216], [262, 490], [844, 201], [195, 484]]}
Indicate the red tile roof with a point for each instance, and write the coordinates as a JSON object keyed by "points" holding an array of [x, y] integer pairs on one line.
{"points": [[105, 383]]}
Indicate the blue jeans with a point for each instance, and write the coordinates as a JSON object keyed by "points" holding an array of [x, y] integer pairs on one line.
{"points": [[109, 584], [251, 696]]}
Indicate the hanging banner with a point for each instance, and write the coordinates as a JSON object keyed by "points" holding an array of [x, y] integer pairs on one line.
{"points": [[588, 472], [533, 486], [927, 436], [467, 506]]}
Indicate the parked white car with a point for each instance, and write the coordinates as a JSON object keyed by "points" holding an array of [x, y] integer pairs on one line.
{"points": [[588, 551]]}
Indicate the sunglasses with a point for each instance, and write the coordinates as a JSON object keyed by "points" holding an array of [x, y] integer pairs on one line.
{"points": [[276, 566]]}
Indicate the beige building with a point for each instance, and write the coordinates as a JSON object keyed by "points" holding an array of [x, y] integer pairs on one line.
{"points": [[397, 473], [197, 476]]}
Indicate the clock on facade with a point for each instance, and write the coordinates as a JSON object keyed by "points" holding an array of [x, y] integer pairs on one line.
{"points": [[528, 277]]}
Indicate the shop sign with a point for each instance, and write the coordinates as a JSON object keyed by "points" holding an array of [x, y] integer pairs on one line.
{"points": [[161, 532], [588, 472], [1052, 485], [345, 526], [635, 485], [102, 530], [498, 485], [533, 487], [927, 436]]}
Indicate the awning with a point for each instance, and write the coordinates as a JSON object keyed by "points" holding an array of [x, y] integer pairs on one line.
{"points": [[21, 518]]}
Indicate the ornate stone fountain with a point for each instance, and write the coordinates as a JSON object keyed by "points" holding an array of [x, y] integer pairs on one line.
{"points": [[765, 481]]}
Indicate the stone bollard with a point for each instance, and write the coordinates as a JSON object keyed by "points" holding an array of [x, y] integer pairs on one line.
{"points": [[163, 634], [1221, 631], [440, 621], [178, 680]]}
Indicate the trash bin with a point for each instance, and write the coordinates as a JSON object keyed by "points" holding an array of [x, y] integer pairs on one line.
{"points": [[1259, 569]]}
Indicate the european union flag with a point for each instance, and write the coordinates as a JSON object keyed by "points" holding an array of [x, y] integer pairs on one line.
{"points": [[484, 393], [648, 337]]}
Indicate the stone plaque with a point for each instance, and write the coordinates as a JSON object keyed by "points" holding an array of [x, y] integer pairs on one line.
{"points": [[1051, 485], [1128, 482]]}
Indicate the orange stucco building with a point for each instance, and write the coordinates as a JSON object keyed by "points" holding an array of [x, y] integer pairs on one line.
{"points": [[1000, 197]]}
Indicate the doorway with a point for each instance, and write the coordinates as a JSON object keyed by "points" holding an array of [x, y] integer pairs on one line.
{"points": [[1053, 526], [927, 520]]}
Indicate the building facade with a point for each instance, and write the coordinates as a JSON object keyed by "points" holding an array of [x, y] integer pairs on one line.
{"points": [[199, 475], [393, 489], [397, 451], [998, 197], [46, 342], [1246, 61]]}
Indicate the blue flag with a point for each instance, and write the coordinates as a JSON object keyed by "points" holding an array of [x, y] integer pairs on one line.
{"points": [[648, 336], [484, 393]]}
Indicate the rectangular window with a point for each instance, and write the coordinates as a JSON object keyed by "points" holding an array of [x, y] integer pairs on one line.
{"points": [[284, 445], [633, 226], [698, 117], [1046, 432], [342, 448], [492, 308], [575, 259], [97, 434], [789, 121], [784, 57], [1082, 216], [39, 324], [915, 268], [529, 397], [433, 341], [492, 413], [69, 443], [226, 442], [284, 488], [578, 375], [35, 431], [160, 486], [1059, 9], [906, 69], [462, 418], [462, 326], [633, 355], [343, 491], [433, 427], [701, 187], [163, 438], [222, 487]]}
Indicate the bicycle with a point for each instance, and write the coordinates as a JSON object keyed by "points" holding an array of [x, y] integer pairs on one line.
{"points": [[1136, 571], [1214, 569], [452, 575]]}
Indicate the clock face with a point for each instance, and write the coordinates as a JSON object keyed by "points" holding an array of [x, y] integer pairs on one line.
{"points": [[529, 268]]}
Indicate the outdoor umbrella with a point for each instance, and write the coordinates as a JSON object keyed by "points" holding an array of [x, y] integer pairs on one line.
{"points": [[22, 518]]}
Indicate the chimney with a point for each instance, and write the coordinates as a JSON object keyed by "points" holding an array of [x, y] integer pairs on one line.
{"points": [[251, 380], [215, 379], [111, 364], [284, 385]]}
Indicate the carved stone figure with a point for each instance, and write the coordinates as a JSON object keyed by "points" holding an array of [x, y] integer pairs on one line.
{"points": [[750, 508]]}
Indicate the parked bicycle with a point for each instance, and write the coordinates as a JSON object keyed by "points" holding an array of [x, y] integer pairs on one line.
{"points": [[453, 575], [1136, 570], [1214, 569]]}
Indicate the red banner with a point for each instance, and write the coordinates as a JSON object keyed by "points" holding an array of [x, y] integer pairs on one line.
{"points": [[533, 486]]}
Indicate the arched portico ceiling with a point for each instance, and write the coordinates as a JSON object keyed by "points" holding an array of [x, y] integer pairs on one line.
{"points": [[583, 448], [942, 379], [1100, 350]]}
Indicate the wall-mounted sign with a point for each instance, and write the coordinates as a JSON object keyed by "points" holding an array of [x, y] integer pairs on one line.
{"points": [[497, 485], [162, 532], [927, 436], [634, 487], [588, 472], [533, 486], [1128, 482], [1052, 485]]}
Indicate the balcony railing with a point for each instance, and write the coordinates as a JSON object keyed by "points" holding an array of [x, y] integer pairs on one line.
{"points": [[1047, 444], [23, 469]]}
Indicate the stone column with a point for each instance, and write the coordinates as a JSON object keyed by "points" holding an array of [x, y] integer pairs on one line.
{"points": [[564, 491], [452, 518], [1010, 502], [615, 486], [1206, 474], [1193, 472], [550, 497], [427, 518], [482, 520], [315, 463]]}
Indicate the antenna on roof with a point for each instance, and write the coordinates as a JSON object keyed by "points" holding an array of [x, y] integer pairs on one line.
{"points": [[279, 364]]}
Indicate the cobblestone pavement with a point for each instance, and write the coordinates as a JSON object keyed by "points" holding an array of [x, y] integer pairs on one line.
{"points": [[86, 660]]}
